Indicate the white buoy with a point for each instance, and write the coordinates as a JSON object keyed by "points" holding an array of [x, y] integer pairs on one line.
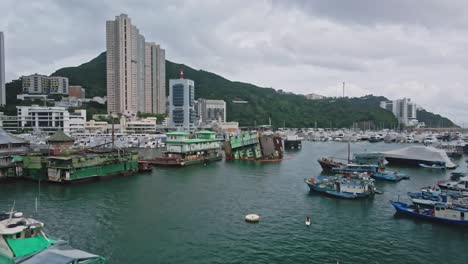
{"points": [[252, 218]]}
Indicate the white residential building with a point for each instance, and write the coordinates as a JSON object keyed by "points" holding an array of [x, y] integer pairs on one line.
{"points": [[50, 119], [42, 84], [58, 85], [182, 103], [403, 109], [135, 70], [211, 111], [2, 70]]}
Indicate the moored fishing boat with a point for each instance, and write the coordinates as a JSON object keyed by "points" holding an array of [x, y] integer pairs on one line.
{"points": [[389, 176], [342, 187], [374, 171], [460, 185], [328, 164], [22, 240], [441, 212]]}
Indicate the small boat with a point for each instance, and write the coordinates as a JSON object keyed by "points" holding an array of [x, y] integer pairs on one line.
{"points": [[374, 171], [342, 187], [22, 240], [307, 221], [328, 164], [460, 185], [352, 168], [389, 176], [433, 166], [144, 166], [445, 213]]}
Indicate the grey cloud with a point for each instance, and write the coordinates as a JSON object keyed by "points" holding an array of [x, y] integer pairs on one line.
{"points": [[392, 48]]}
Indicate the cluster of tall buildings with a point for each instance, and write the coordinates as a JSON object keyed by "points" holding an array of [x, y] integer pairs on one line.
{"points": [[136, 71], [403, 109], [2, 70]]}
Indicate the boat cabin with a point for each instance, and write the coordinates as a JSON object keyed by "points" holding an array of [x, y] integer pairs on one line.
{"points": [[351, 187], [358, 168], [20, 236], [450, 212]]}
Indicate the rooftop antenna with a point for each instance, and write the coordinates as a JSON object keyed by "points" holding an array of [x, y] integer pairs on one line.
{"points": [[343, 89], [181, 73]]}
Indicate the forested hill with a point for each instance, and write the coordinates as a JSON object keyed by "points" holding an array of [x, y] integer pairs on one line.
{"points": [[262, 103]]}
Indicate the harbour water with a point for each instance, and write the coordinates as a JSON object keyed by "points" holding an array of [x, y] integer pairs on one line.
{"points": [[196, 215]]}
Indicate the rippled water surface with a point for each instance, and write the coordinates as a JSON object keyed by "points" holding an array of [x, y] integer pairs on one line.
{"points": [[196, 215]]}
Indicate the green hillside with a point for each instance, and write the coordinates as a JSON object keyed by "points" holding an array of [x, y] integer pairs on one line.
{"points": [[262, 103]]}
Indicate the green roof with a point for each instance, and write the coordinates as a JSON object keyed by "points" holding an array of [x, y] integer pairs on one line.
{"points": [[177, 133], [192, 140], [59, 136], [17, 159], [205, 132], [25, 246]]}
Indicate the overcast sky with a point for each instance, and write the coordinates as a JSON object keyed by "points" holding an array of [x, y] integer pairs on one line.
{"points": [[398, 48]]}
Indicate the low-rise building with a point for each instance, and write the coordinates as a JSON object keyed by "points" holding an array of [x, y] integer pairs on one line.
{"points": [[226, 128], [69, 102], [10, 147], [24, 97], [50, 119], [138, 126], [93, 126]]}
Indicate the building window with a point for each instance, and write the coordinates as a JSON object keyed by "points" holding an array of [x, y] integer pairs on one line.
{"points": [[178, 116], [178, 95]]}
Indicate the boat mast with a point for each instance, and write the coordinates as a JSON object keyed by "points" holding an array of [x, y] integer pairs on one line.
{"points": [[349, 152]]}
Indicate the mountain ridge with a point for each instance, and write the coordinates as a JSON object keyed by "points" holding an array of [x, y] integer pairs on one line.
{"points": [[263, 104]]}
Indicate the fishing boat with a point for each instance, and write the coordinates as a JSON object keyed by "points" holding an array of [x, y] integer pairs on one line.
{"points": [[425, 198], [441, 212], [387, 176], [22, 240], [350, 168], [342, 187], [460, 185], [372, 170], [328, 164]]}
